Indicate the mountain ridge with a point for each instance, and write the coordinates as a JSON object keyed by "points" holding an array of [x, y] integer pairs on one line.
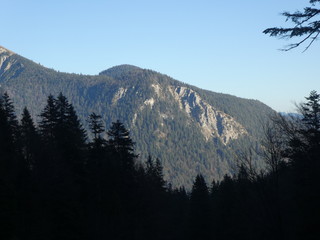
{"points": [[190, 129]]}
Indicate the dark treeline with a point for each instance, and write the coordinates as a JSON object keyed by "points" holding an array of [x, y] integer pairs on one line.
{"points": [[57, 184]]}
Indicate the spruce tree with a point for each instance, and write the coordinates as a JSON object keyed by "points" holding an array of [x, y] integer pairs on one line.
{"points": [[96, 125], [124, 176], [6, 132], [30, 141], [304, 152], [48, 121], [8, 170], [199, 224], [154, 173], [62, 167], [11, 122], [97, 128], [99, 180], [69, 128], [311, 118], [121, 144]]}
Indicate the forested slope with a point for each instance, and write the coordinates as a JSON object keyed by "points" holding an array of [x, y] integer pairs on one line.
{"points": [[189, 129]]}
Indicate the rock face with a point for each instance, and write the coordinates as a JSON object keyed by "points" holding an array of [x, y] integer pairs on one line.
{"points": [[4, 50], [6, 62], [213, 123], [190, 130], [119, 94]]}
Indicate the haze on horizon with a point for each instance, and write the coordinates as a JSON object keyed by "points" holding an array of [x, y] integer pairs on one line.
{"points": [[218, 46]]}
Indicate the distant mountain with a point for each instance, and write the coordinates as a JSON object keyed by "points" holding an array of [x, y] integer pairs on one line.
{"points": [[190, 130], [291, 114]]}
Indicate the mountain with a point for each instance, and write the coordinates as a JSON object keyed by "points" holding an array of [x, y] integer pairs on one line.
{"points": [[291, 115], [189, 129]]}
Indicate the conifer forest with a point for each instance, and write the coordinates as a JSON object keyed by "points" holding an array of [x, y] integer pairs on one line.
{"points": [[57, 183]]}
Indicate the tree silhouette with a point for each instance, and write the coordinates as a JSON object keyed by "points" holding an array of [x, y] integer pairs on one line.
{"points": [[69, 128], [7, 125], [8, 169], [311, 112], [154, 173], [307, 130], [57, 186], [96, 125], [199, 210], [302, 152], [61, 168], [61, 129], [306, 26], [121, 144], [29, 139], [48, 121], [305, 152], [99, 180]]}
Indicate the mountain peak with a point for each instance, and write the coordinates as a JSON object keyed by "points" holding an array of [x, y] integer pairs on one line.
{"points": [[4, 50], [120, 69]]}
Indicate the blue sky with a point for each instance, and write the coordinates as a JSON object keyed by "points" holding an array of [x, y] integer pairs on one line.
{"points": [[215, 45]]}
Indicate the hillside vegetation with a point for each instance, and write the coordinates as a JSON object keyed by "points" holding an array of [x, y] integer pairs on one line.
{"points": [[190, 130]]}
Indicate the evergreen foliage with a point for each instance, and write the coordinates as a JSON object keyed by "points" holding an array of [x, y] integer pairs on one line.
{"points": [[29, 138], [54, 189], [199, 210], [96, 125], [306, 26], [122, 93]]}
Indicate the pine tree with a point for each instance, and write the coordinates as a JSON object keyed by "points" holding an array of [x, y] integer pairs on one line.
{"points": [[154, 173], [99, 180], [62, 166], [9, 111], [97, 128], [29, 139], [62, 130], [199, 209], [96, 125], [11, 120], [14, 172], [304, 144], [119, 138], [311, 118], [8, 170], [48, 121], [304, 155], [69, 127], [122, 145], [10, 149], [6, 132], [123, 178], [226, 210]]}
